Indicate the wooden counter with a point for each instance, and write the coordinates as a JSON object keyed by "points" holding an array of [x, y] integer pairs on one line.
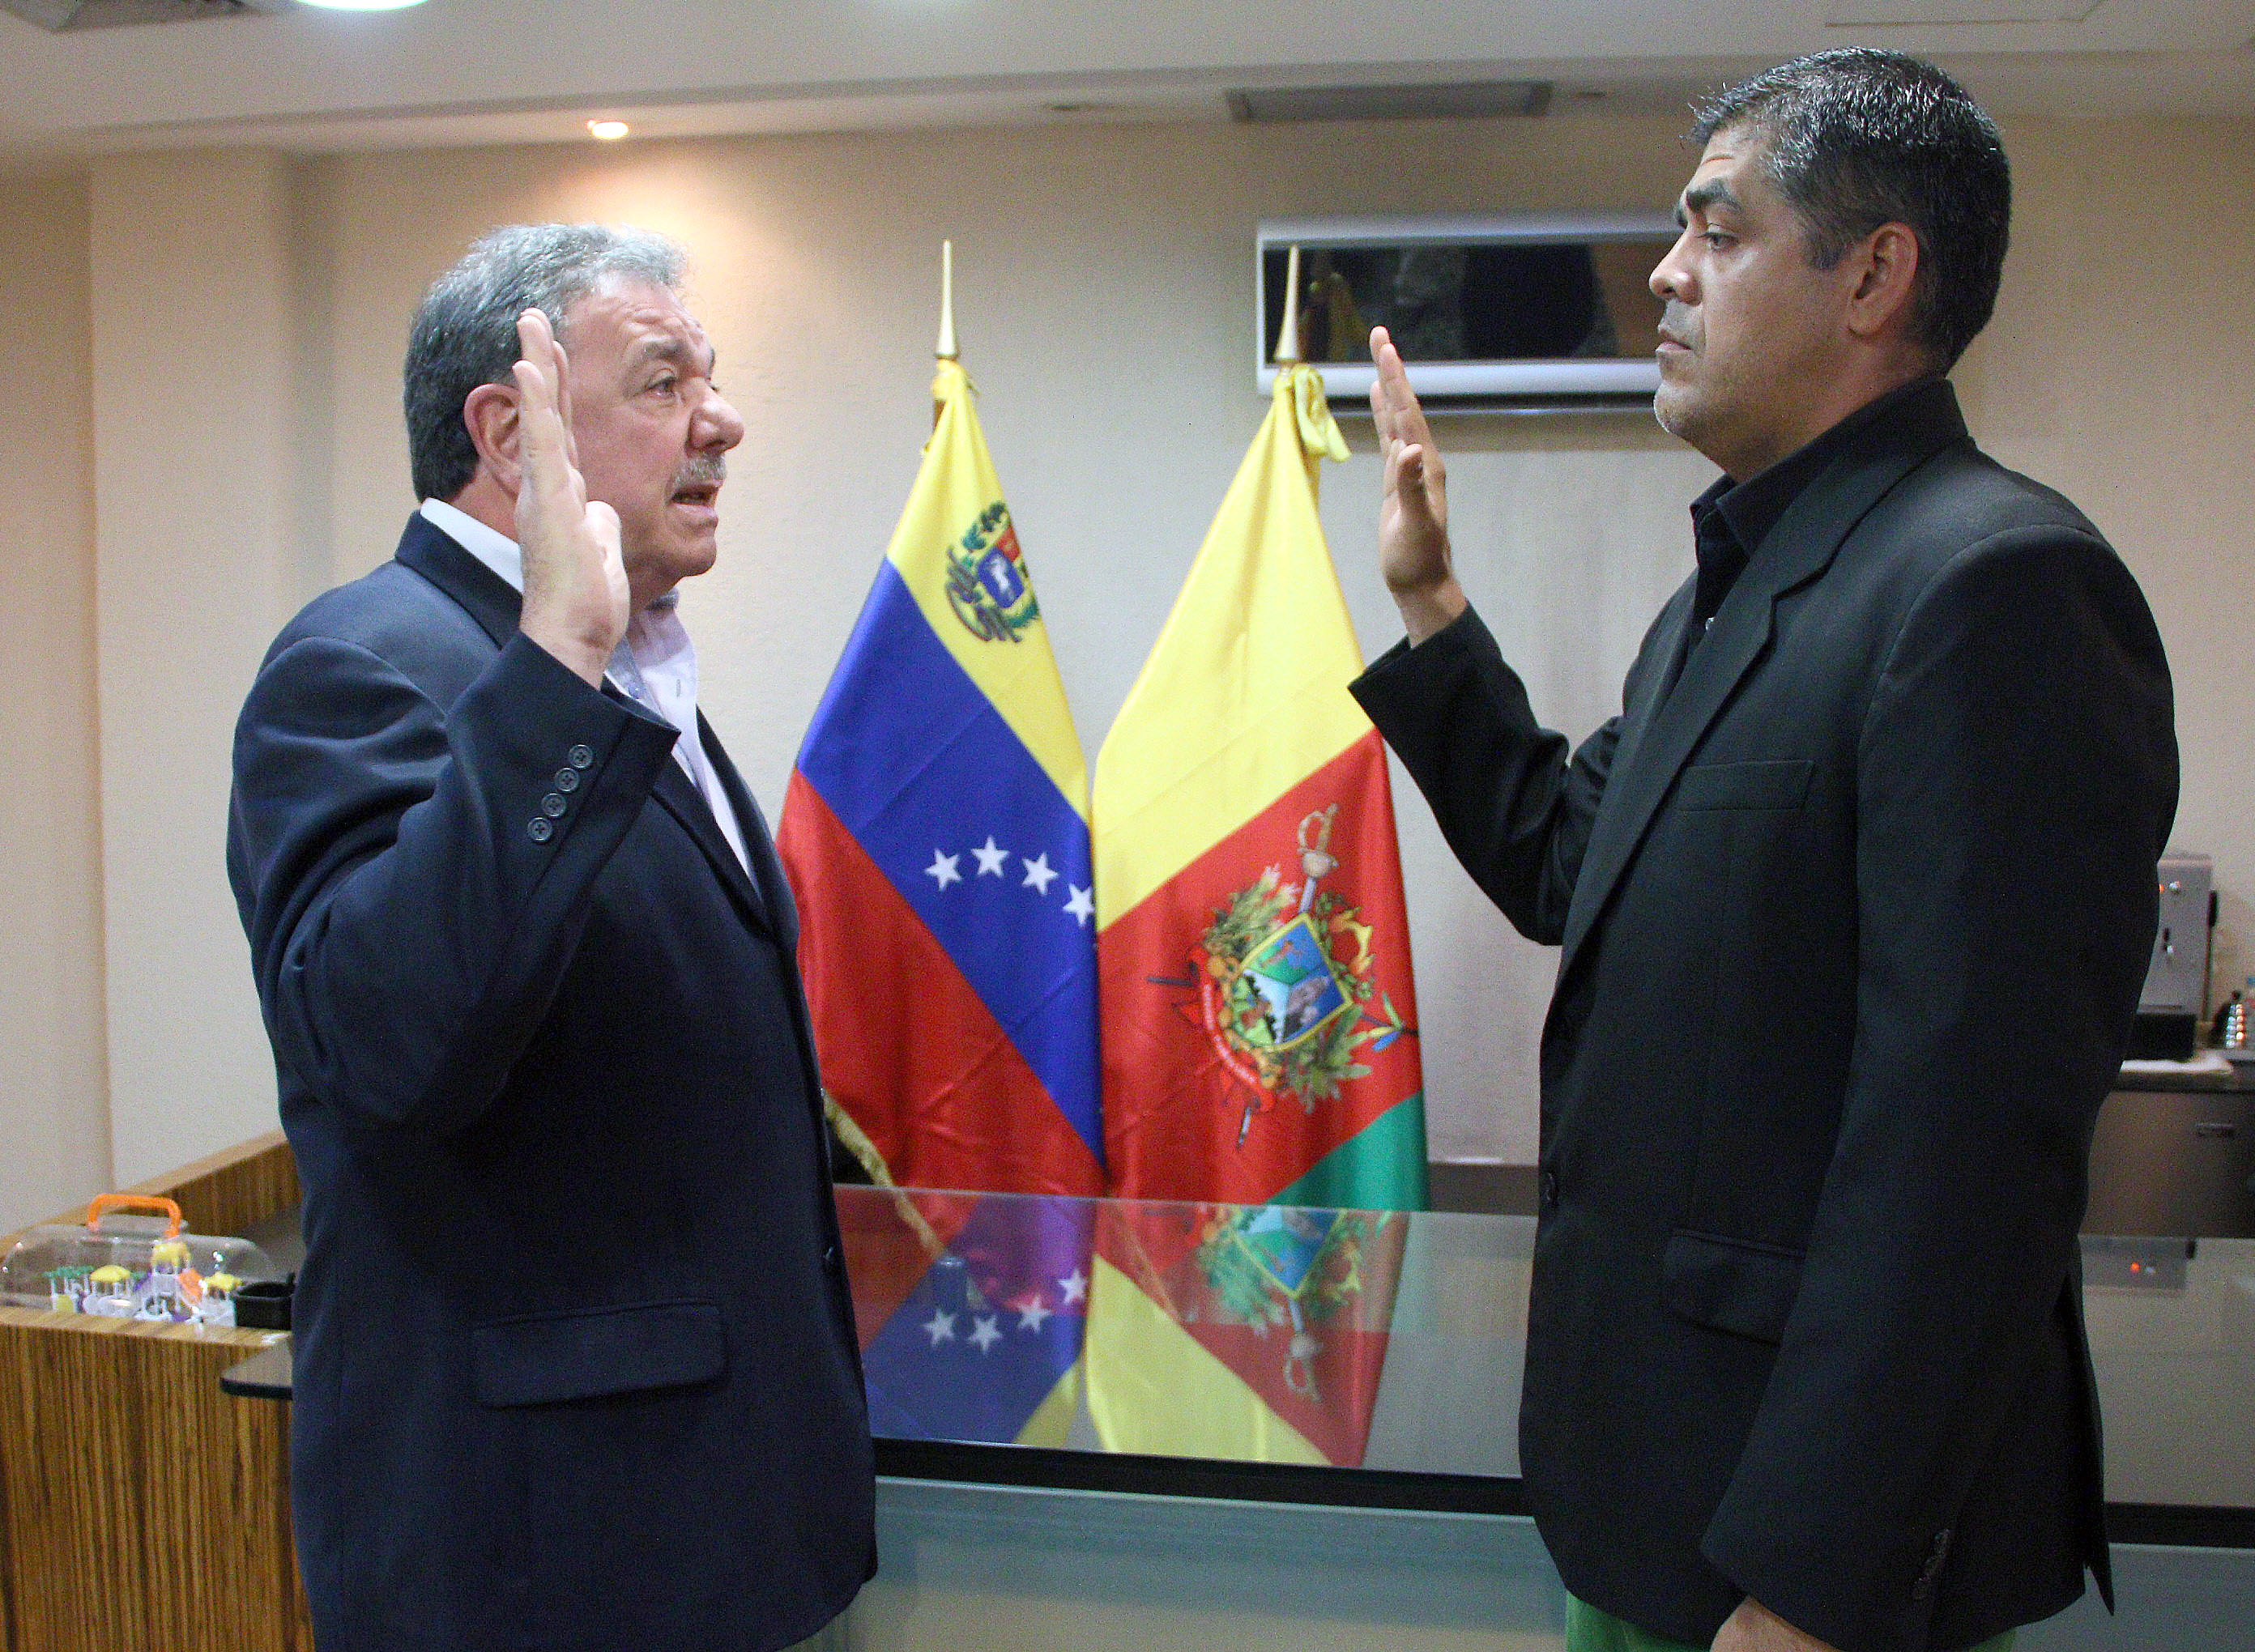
{"points": [[142, 1509]]}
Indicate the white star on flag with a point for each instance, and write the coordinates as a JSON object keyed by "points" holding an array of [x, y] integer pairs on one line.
{"points": [[1075, 1286], [1080, 906], [1039, 874], [984, 1335], [991, 858], [1032, 1313], [942, 870], [940, 1327]]}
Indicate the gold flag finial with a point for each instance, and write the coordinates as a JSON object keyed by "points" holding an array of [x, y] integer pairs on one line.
{"points": [[1288, 336], [945, 348]]}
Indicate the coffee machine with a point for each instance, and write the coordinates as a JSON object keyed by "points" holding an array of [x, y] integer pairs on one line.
{"points": [[2174, 1000]]}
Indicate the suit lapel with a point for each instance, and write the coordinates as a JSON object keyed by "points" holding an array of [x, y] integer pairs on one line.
{"points": [[1667, 646], [482, 593], [488, 600], [774, 887], [782, 910], [1797, 550], [679, 796]]}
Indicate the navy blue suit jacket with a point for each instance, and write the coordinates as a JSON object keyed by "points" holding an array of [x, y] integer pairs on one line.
{"points": [[1853, 917], [575, 1362]]}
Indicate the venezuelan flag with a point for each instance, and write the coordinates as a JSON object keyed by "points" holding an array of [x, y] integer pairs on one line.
{"points": [[1258, 1015], [935, 836], [970, 1310]]}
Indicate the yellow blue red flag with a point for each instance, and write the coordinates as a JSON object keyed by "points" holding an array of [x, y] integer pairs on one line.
{"points": [[936, 834]]}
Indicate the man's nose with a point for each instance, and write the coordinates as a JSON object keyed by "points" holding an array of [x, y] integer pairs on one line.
{"points": [[717, 425], [1671, 277]]}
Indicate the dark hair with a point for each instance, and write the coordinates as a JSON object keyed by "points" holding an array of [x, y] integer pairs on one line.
{"points": [[464, 332], [1858, 138]]}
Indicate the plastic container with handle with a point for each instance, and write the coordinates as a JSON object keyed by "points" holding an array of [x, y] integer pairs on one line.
{"points": [[131, 1267]]}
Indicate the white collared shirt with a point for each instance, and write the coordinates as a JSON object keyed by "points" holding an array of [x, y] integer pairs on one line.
{"points": [[655, 665]]}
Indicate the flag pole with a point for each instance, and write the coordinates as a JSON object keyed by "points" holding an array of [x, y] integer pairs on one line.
{"points": [[945, 348], [1288, 336], [1287, 356]]}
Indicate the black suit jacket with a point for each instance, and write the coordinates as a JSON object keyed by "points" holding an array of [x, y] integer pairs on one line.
{"points": [[575, 1360], [1853, 921]]}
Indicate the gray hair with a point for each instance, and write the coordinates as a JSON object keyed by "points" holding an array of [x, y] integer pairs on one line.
{"points": [[464, 332], [1857, 137]]}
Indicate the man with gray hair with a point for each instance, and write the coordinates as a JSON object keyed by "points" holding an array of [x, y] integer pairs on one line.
{"points": [[1806, 1365], [575, 1362]]}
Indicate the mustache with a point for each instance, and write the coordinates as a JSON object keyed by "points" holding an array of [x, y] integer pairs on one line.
{"points": [[707, 470], [1676, 323]]}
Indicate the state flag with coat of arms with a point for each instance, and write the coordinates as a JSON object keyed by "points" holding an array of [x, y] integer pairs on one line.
{"points": [[1258, 1010], [1259, 1014]]}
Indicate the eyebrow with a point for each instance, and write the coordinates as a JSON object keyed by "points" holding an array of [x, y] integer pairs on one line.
{"points": [[674, 350], [1699, 197]]}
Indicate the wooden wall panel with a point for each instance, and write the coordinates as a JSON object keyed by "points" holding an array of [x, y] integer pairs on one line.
{"points": [[227, 1192], [223, 1193], [144, 1510]]}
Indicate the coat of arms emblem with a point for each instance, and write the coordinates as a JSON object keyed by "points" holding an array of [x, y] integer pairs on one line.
{"points": [[1275, 1264], [987, 583], [1286, 984]]}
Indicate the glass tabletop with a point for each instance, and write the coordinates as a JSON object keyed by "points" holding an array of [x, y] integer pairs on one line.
{"points": [[1386, 1340]]}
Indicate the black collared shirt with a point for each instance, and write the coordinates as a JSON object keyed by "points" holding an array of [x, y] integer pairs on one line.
{"points": [[1729, 520]]}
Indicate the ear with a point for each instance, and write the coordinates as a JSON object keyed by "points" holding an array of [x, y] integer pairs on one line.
{"points": [[1884, 272], [490, 414]]}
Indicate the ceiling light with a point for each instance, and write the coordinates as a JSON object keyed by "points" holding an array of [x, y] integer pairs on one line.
{"points": [[361, 5], [608, 131]]}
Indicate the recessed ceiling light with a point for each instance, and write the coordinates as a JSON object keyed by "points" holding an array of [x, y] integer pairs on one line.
{"points": [[608, 131], [361, 5]]}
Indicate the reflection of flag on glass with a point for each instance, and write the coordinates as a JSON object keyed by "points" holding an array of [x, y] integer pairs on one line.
{"points": [[1260, 1023], [972, 1310], [936, 834], [1241, 1332]]}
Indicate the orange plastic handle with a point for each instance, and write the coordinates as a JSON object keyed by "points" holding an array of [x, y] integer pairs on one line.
{"points": [[104, 1203]]}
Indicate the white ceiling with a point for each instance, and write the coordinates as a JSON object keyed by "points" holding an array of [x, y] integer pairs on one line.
{"points": [[513, 71]]}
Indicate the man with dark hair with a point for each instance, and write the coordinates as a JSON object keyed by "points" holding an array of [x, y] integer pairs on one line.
{"points": [[575, 1362], [1855, 898]]}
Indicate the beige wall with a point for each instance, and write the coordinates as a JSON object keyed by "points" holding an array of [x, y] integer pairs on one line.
{"points": [[196, 562], [1104, 283], [54, 1125]]}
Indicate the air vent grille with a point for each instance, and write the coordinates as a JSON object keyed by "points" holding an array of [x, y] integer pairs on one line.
{"points": [[60, 16], [1464, 100]]}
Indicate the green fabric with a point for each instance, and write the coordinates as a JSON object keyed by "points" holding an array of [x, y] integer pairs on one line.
{"points": [[1591, 1630], [1381, 1167]]}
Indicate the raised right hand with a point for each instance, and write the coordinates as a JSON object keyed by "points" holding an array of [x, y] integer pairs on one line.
{"points": [[1413, 513], [575, 583]]}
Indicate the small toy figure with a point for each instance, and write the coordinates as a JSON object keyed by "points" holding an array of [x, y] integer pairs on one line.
{"points": [[215, 1300], [109, 1292], [161, 1294]]}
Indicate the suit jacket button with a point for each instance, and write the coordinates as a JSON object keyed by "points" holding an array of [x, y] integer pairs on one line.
{"points": [[552, 805], [538, 829], [1549, 1190], [830, 1255], [567, 780], [580, 757]]}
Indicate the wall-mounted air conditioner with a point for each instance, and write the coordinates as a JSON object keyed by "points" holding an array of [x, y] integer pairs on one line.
{"points": [[1513, 312]]}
